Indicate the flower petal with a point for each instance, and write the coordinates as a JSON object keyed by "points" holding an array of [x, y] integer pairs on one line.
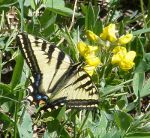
{"points": [[116, 59], [109, 33], [125, 39], [92, 60], [82, 47], [89, 69], [126, 65], [130, 55], [91, 36], [120, 49]]}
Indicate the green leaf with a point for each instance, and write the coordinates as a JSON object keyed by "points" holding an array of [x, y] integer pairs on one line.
{"points": [[144, 64], [111, 89], [103, 124], [50, 135], [61, 115], [56, 126], [17, 71], [5, 120], [58, 6], [4, 88], [138, 81], [146, 88], [139, 135], [123, 120], [121, 103], [98, 27], [6, 96], [7, 3], [47, 135], [25, 127], [97, 128], [53, 126], [63, 11], [141, 31], [131, 106], [89, 18], [55, 3], [113, 133], [31, 3], [46, 22]]}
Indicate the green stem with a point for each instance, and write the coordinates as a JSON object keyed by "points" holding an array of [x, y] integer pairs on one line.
{"points": [[0, 64], [16, 117], [139, 104], [84, 121], [22, 14], [143, 13], [74, 121]]}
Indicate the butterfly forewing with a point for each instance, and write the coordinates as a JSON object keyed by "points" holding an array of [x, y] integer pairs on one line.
{"points": [[45, 59]]}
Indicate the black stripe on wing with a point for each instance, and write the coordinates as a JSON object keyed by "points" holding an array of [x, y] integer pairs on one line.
{"points": [[63, 80], [82, 104], [85, 83], [24, 44], [50, 51]]}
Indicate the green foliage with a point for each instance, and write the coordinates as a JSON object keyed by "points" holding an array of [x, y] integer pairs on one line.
{"points": [[25, 126], [121, 93]]}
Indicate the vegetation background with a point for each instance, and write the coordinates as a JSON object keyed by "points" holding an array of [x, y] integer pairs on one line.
{"points": [[124, 96]]}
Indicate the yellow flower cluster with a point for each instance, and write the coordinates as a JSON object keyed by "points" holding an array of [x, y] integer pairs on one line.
{"points": [[89, 54], [109, 33], [123, 58], [120, 57]]}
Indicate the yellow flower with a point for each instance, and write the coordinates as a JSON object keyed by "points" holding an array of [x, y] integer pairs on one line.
{"points": [[82, 47], [125, 39], [92, 60], [85, 50], [89, 69], [119, 54], [124, 60], [91, 36], [126, 65], [130, 55], [90, 50], [116, 59], [127, 62], [120, 49], [109, 33]]}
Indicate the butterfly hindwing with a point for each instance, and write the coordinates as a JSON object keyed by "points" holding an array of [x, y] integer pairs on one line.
{"points": [[80, 91]]}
